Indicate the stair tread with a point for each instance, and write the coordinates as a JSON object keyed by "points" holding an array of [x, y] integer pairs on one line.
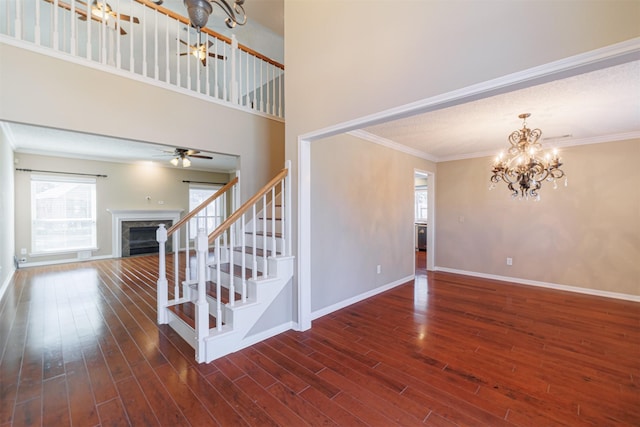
{"points": [[249, 251], [261, 233], [237, 270], [187, 312]]}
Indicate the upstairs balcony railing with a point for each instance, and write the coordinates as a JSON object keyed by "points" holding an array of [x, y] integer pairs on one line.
{"points": [[139, 37]]}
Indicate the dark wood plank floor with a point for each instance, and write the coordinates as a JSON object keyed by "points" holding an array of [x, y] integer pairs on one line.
{"points": [[79, 346]]}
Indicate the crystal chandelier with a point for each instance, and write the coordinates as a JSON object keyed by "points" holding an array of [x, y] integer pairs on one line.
{"points": [[525, 168], [199, 11]]}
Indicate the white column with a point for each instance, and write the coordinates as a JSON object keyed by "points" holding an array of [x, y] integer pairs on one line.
{"points": [[202, 306], [163, 291]]}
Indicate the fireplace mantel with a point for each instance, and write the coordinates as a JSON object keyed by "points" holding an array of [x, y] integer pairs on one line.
{"points": [[120, 215]]}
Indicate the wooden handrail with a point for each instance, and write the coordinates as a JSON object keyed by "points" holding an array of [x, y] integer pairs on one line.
{"points": [[201, 206], [245, 207], [205, 30]]}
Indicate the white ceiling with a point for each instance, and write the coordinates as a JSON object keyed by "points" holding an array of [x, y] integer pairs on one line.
{"points": [[599, 106], [61, 143]]}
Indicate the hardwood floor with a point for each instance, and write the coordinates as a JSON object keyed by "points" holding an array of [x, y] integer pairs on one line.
{"points": [[80, 346]]}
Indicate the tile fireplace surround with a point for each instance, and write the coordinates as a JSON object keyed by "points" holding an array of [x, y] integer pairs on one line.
{"points": [[124, 219]]}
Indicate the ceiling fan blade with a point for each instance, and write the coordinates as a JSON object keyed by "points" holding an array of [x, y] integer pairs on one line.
{"points": [[128, 18], [184, 54], [122, 31], [213, 55], [201, 157], [191, 152], [184, 42], [204, 64]]}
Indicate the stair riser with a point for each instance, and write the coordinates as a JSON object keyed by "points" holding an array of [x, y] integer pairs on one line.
{"points": [[260, 241], [260, 226], [248, 260]]}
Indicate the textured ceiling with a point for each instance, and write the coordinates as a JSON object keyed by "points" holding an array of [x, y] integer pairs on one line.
{"points": [[580, 109]]}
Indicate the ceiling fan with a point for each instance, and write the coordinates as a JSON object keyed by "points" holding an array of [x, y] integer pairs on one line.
{"points": [[99, 9], [183, 155], [199, 50]]}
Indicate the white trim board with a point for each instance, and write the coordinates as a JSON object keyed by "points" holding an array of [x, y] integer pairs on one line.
{"points": [[558, 287], [5, 285], [589, 61], [345, 303]]}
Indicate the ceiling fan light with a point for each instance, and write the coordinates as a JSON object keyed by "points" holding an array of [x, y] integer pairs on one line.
{"points": [[174, 161], [186, 162]]}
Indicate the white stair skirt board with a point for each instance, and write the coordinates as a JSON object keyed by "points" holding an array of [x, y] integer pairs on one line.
{"points": [[245, 316], [575, 289], [342, 304]]}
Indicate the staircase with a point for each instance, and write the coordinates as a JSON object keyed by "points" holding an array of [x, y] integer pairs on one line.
{"points": [[241, 267]]}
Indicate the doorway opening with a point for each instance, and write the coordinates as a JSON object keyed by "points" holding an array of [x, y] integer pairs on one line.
{"points": [[424, 218]]}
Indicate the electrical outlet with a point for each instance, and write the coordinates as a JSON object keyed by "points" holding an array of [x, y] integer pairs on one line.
{"points": [[509, 261], [23, 251]]}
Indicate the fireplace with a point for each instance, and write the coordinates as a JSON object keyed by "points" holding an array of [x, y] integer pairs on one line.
{"points": [[139, 237], [134, 231]]}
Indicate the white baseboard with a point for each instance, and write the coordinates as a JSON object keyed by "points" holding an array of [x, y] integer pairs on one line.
{"points": [[342, 304], [5, 284], [63, 261], [576, 289]]}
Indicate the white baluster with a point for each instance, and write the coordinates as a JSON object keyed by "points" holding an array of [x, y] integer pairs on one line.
{"points": [[178, 78], [261, 88], [225, 89], [202, 306], [188, 60], [269, 89], [254, 89], [37, 25], [265, 244], [144, 41], [283, 219], [187, 254], [218, 287], [162, 286], [243, 253], [103, 36], [176, 265], [215, 70], [234, 66], [207, 85], [198, 67], [156, 61], [118, 42], [89, 48], [247, 101], [273, 221], [254, 242], [56, 33], [132, 64], [167, 71], [232, 276]]}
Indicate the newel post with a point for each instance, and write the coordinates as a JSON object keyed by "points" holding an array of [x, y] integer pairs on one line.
{"points": [[163, 291], [202, 306]]}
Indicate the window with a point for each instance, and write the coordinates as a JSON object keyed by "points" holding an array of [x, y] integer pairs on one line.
{"points": [[63, 214], [210, 217], [421, 204]]}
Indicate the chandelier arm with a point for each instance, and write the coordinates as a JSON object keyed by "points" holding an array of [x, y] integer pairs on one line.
{"points": [[231, 11]]}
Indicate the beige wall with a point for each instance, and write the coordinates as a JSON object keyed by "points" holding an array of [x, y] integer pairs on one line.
{"points": [[585, 235], [37, 89], [362, 204], [349, 59], [6, 211], [126, 187]]}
